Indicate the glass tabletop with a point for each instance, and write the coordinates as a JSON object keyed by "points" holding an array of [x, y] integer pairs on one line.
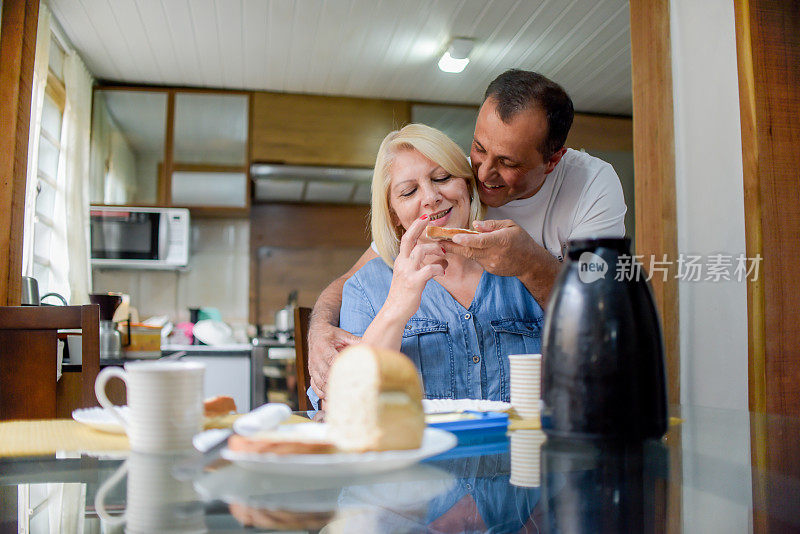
{"points": [[715, 471]]}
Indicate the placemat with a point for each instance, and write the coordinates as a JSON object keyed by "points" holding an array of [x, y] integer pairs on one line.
{"points": [[45, 437], [515, 422], [48, 436]]}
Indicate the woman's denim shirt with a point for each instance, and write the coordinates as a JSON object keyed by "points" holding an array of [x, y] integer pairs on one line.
{"points": [[460, 352]]}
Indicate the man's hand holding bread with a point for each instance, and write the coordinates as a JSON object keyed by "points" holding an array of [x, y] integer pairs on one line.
{"points": [[503, 248]]}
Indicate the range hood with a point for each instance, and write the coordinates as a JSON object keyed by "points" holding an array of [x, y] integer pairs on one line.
{"points": [[305, 183]]}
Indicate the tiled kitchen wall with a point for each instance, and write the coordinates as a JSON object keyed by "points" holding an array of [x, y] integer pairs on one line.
{"points": [[217, 276]]}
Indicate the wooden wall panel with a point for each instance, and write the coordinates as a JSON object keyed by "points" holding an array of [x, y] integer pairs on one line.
{"points": [[28, 352], [768, 41], [309, 225], [300, 246], [307, 270], [322, 130], [17, 48], [654, 163], [768, 50], [601, 132]]}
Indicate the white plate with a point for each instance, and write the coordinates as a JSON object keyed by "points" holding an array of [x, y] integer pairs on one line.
{"points": [[460, 405], [100, 419], [434, 441]]}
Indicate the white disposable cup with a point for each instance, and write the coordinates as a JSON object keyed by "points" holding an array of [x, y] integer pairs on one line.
{"points": [[524, 394], [525, 375], [525, 453], [156, 500], [165, 401], [526, 372]]}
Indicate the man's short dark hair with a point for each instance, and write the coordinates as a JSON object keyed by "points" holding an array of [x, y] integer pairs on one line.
{"points": [[517, 90]]}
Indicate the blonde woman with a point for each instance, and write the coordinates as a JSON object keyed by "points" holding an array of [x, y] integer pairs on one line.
{"points": [[456, 322]]}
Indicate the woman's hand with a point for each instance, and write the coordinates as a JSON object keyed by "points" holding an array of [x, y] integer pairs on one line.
{"points": [[416, 263]]}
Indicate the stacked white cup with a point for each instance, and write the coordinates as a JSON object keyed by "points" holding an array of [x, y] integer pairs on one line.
{"points": [[526, 450], [526, 372]]}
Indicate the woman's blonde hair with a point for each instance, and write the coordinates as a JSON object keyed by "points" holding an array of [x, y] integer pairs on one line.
{"points": [[435, 146]]}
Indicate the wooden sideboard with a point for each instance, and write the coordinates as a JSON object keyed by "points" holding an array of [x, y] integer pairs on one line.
{"points": [[28, 352]]}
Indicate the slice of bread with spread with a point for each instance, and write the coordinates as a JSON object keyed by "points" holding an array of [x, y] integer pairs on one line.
{"points": [[280, 443], [374, 401], [439, 233]]}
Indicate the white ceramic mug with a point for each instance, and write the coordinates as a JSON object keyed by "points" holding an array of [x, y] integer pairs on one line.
{"points": [[165, 401]]}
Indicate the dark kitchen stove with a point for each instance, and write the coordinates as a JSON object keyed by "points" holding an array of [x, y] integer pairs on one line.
{"points": [[274, 339], [276, 352]]}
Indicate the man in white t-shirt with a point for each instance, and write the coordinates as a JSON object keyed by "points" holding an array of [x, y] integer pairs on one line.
{"points": [[582, 197], [539, 195]]}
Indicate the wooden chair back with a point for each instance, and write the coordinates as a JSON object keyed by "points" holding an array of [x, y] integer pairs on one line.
{"points": [[28, 352], [302, 317]]}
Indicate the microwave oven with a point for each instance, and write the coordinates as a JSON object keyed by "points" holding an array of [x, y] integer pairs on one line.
{"points": [[139, 238]]}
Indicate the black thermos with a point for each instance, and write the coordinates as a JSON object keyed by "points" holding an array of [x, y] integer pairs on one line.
{"points": [[602, 351]]}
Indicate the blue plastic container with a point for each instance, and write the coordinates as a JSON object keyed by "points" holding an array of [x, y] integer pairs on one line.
{"points": [[485, 427]]}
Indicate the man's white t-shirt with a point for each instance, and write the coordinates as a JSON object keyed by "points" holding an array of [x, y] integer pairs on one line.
{"points": [[582, 197]]}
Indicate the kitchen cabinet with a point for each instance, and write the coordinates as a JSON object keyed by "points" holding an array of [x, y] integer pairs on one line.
{"points": [[210, 128], [129, 132], [170, 147], [322, 130], [209, 151]]}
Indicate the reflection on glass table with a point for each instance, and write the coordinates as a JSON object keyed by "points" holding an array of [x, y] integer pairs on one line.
{"points": [[715, 471]]}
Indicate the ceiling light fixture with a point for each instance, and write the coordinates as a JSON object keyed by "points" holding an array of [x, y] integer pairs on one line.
{"points": [[456, 57]]}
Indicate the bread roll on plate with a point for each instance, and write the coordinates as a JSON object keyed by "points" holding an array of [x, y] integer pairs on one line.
{"points": [[219, 406], [374, 401], [445, 234]]}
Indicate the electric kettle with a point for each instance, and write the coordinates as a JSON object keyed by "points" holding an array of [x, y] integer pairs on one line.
{"points": [[30, 294]]}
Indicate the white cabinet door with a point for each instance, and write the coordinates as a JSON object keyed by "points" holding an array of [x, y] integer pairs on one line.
{"points": [[226, 375]]}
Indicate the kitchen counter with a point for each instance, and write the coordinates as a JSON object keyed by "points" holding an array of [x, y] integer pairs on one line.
{"points": [[167, 350], [235, 370], [234, 347]]}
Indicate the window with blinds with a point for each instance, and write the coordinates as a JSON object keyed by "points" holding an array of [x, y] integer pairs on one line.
{"points": [[47, 237]]}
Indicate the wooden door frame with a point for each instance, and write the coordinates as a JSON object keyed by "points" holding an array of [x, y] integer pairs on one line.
{"points": [[654, 188], [654, 165], [768, 54], [768, 51], [20, 19]]}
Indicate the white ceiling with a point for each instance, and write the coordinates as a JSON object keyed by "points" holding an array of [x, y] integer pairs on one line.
{"points": [[370, 48]]}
